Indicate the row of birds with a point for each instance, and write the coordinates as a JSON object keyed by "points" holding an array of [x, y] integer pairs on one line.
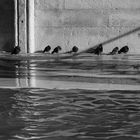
{"points": [[98, 50]]}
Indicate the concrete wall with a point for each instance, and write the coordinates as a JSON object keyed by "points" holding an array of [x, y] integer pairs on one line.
{"points": [[86, 23], [6, 25]]}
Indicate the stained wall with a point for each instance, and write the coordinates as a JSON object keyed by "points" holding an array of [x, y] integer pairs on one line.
{"points": [[85, 23]]}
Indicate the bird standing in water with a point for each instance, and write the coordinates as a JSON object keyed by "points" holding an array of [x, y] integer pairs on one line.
{"points": [[114, 51], [16, 50], [47, 49], [124, 49], [99, 49], [56, 50], [74, 50]]}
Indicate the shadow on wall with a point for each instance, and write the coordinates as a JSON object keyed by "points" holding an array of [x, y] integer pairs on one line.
{"points": [[111, 40], [8, 46]]}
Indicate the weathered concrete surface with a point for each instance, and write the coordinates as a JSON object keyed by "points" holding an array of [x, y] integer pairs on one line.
{"points": [[22, 23], [6, 25], [86, 23]]}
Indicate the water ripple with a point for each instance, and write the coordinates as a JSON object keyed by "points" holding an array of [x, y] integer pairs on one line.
{"points": [[69, 114]]}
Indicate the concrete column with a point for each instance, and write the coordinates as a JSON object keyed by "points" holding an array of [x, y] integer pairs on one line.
{"points": [[31, 27], [16, 22], [22, 24]]}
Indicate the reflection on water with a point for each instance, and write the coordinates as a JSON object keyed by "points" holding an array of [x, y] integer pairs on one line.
{"points": [[118, 71], [45, 114], [85, 98]]}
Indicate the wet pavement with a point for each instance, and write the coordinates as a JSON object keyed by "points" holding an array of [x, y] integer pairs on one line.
{"points": [[86, 97]]}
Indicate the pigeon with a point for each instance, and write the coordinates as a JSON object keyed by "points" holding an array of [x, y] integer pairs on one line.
{"points": [[124, 49], [74, 50], [16, 50], [47, 49], [114, 51], [98, 50], [56, 50]]}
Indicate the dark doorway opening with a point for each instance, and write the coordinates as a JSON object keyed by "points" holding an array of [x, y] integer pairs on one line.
{"points": [[7, 25]]}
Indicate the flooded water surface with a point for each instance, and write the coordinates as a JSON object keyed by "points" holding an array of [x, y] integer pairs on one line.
{"points": [[69, 114], [86, 98]]}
